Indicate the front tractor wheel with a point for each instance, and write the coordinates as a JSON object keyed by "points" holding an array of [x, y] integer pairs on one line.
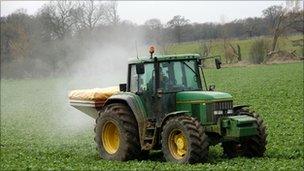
{"points": [[184, 141], [116, 133], [253, 146]]}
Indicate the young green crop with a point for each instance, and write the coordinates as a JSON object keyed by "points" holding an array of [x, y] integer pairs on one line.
{"points": [[40, 131]]}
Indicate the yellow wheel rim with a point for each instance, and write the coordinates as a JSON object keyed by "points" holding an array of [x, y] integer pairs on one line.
{"points": [[177, 144], [110, 137]]}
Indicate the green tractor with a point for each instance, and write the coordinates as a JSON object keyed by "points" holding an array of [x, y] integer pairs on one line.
{"points": [[167, 105]]}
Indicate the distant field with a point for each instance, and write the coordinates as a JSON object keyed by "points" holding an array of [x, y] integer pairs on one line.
{"points": [[40, 131], [284, 43]]}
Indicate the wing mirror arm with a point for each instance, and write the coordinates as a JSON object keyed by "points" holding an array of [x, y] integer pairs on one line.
{"points": [[203, 75]]}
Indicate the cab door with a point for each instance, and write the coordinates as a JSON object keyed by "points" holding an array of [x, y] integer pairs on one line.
{"points": [[144, 86]]}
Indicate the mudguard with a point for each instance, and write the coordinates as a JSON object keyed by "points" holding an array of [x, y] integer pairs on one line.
{"points": [[137, 107], [176, 113], [238, 107]]}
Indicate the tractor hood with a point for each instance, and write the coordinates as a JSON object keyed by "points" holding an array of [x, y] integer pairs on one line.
{"points": [[201, 96]]}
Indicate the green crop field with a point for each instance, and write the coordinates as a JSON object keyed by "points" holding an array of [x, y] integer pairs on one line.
{"points": [[40, 131]]}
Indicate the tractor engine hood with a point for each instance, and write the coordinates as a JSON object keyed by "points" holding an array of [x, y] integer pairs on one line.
{"points": [[201, 96]]}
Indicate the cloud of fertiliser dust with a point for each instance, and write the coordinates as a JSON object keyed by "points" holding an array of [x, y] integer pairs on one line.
{"points": [[101, 66]]}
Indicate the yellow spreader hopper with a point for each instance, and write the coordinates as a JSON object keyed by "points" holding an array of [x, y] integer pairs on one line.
{"points": [[90, 101]]}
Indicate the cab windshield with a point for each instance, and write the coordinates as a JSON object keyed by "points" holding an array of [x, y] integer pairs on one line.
{"points": [[179, 76]]}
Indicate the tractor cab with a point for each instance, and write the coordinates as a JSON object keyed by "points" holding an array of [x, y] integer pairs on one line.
{"points": [[159, 81]]}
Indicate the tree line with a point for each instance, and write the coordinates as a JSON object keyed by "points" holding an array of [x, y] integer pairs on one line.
{"points": [[64, 32]]}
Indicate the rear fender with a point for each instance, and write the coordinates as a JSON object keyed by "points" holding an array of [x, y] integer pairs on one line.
{"points": [[135, 104]]}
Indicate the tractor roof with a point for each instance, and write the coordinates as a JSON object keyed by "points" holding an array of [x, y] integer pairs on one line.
{"points": [[160, 57]]}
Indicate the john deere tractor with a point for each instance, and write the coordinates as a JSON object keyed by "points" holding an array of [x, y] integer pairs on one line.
{"points": [[166, 104]]}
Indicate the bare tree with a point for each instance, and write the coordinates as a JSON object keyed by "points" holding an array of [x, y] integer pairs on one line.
{"points": [[111, 15], [88, 14], [205, 48], [16, 32], [251, 26], [177, 23], [280, 19], [276, 16], [153, 31], [153, 24], [57, 17], [229, 51], [298, 21]]}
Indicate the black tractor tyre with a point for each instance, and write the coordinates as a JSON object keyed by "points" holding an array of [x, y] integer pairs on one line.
{"points": [[117, 122], [253, 146], [231, 149], [184, 140]]}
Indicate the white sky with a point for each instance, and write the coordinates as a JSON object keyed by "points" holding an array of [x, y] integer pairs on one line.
{"points": [[140, 11]]}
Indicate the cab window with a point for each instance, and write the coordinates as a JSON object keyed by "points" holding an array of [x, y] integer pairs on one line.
{"points": [[143, 82], [179, 75]]}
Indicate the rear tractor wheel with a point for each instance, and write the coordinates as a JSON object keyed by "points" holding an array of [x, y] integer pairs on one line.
{"points": [[116, 133], [184, 141]]}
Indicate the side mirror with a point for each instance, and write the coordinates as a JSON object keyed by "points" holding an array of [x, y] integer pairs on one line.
{"points": [[140, 68], [218, 63], [123, 87], [211, 87]]}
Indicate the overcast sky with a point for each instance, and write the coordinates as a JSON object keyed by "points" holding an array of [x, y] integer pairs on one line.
{"points": [[140, 11]]}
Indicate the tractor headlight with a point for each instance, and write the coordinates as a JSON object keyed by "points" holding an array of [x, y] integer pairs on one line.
{"points": [[218, 112], [229, 111]]}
